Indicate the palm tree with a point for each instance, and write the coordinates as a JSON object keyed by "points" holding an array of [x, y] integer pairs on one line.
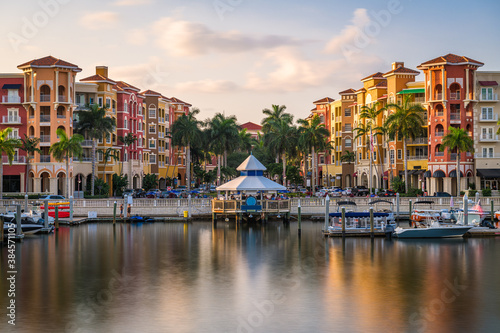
{"points": [[363, 130], [94, 123], [29, 145], [406, 121], [280, 137], [457, 140], [186, 130], [65, 149], [371, 114], [276, 114], [7, 146], [246, 140], [313, 136], [127, 141], [112, 153], [348, 157]]}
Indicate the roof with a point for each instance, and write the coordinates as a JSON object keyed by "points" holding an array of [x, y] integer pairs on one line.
{"points": [[176, 100], [98, 78], [11, 86], [125, 85], [402, 70], [251, 126], [150, 93], [325, 100], [382, 84], [488, 83], [251, 183], [411, 91], [251, 163], [377, 75], [451, 59], [348, 91], [49, 61]]}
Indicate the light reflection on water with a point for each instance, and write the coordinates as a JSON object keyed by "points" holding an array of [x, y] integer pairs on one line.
{"points": [[193, 278]]}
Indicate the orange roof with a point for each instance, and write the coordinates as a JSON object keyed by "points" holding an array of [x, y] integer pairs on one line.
{"points": [[251, 126], [377, 75], [325, 100], [168, 99], [176, 100], [348, 91], [97, 78], [402, 70], [125, 85], [151, 93], [49, 61], [451, 59], [382, 84]]}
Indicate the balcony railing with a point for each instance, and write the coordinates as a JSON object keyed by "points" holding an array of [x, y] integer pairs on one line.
{"points": [[11, 119], [44, 138], [44, 158], [11, 99], [87, 143], [488, 137], [439, 153], [61, 116], [44, 98], [439, 133], [44, 118], [491, 98], [417, 141], [17, 159], [61, 99], [493, 117], [82, 159], [454, 116], [439, 96], [481, 155], [418, 157], [439, 114], [455, 95]]}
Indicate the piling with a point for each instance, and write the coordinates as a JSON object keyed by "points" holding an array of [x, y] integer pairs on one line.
{"points": [[26, 203], [466, 210], [327, 212], [397, 209], [71, 209], [46, 214], [409, 204], [114, 213], [19, 230], [299, 215], [372, 230], [492, 212], [56, 217], [343, 222]]}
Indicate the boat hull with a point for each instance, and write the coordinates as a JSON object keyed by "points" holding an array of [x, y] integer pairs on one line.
{"points": [[432, 232]]}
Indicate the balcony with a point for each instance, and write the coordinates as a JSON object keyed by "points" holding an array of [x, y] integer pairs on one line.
{"points": [[417, 141], [44, 158], [62, 99], [418, 157], [455, 95], [439, 96], [439, 114], [455, 117], [82, 159], [11, 99], [44, 140], [61, 116], [439, 134], [488, 138], [86, 143], [488, 98], [439, 153], [44, 118], [11, 120], [44, 98], [490, 117], [16, 160], [481, 155]]}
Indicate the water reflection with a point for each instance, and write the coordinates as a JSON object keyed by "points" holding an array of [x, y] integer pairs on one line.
{"points": [[231, 278]]}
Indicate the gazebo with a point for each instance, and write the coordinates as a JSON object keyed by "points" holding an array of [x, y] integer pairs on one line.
{"points": [[250, 188]]}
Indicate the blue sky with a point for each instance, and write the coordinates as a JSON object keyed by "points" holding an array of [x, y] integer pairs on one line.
{"points": [[240, 56]]}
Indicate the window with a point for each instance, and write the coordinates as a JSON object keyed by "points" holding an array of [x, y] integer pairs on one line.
{"points": [[347, 143], [108, 103], [152, 111], [13, 116], [400, 154], [108, 138], [152, 144], [391, 156], [99, 101], [91, 100], [360, 156], [487, 152], [486, 94], [152, 159], [347, 112], [125, 106], [487, 133], [348, 127], [374, 155], [152, 128], [99, 155], [322, 160], [487, 113], [14, 134], [125, 157]]}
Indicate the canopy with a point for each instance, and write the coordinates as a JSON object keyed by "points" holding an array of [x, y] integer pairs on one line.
{"points": [[412, 91], [453, 173], [488, 173], [438, 174], [251, 183], [11, 86]]}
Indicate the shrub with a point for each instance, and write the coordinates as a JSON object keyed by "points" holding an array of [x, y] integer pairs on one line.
{"points": [[486, 192], [472, 192]]}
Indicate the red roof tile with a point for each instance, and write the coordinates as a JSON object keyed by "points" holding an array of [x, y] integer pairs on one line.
{"points": [[348, 91], [251, 126], [488, 83], [176, 100], [377, 75], [325, 100], [49, 61], [382, 84], [451, 59], [151, 92], [97, 78], [125, 85], [402, 70]]}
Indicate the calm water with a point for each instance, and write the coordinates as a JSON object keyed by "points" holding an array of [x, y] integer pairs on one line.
{"points": [[192, 278]]}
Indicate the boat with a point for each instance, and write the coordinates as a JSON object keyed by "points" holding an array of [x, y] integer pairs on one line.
{"points": [[424, 214], [390, 210], [360, 221], [28, 225], [434, 230]]}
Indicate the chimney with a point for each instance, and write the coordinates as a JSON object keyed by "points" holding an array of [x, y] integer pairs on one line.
{"points": [[397, 65], [102, 70]]}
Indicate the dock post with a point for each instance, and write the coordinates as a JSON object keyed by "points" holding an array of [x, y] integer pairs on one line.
{"points": [[397, 209], [372, 231], [477, 197], [125, 200], [343, 222], [189, 207], [327, 212], [114, 213], [26, 203], [492, 212], [466, 210], [409, 204], [46, 214], [19, 230], [299, 217], [1, 231], [56, 217], [71, 209]]}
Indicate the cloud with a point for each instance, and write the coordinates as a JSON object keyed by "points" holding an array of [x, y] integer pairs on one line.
{"points": [[208, 86], [350, 34], [99, 20], [132, 2], [181, 38]]}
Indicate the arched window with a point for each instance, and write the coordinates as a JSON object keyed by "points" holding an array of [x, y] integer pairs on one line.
{"points": [[45, 93], [61, 91], [454, 91], [439, 131], [439, 112], [438, 92]]}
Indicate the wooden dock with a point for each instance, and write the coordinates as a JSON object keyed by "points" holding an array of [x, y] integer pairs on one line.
{"points": [[377, 233]]}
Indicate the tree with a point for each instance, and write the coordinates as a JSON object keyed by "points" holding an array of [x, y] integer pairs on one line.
{"points": [[280, 137], [66, 148], [186, 130], [30, 146], [149, 181], [406, 121], [127, 141], [7, 146], [246, 141], [112, 153], [457, 140], [275, 115], [120, 183], [313, 136], [348, 157], [94, 123]]}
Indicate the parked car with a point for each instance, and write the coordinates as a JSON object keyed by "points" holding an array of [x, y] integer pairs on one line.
{"points": [[52, 197], [139, 193], [442, 194], [386, 193], [360, 191], [153, 194]]}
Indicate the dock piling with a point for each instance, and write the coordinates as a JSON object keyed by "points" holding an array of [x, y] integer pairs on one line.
{"points": [[492, 212], [71, 209], [343, 222], [46, 214], [372, 230], [397, 209], [466, 210], [327, 212], [19, 230], [299, 217], [114, 213], [26, 203], [56, 217]]}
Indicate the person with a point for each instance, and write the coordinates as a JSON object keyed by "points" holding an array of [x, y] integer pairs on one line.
{"points": [[129, 210], [121, 210]]}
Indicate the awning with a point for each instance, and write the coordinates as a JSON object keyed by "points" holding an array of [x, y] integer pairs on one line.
{"points": [[355, 174], [453, 173], [419, 172], [386, 173], [412, 91], [488, 83], [11, 86], [438, 174], [488, 173], [427, 174]]}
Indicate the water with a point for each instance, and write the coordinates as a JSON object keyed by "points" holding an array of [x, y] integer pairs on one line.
{"points": [[176, 277]]}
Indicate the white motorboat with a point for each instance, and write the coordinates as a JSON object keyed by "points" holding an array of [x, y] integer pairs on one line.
{"points": [[434, 230]]}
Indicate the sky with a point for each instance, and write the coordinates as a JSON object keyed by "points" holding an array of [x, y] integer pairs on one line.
{"points": [[238, 57]]}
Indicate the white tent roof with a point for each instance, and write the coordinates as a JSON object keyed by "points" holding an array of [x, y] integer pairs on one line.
{"points": [[251, 163], [251, 183]]}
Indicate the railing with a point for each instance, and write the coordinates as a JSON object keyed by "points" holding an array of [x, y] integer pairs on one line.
{"points": [[44, 98], [439, 153], [418, 157], [439, 133], [86, 143], [234, 206], [44, 158], [44, 138], [82, 159], [493, 97], [61, 99], [61, 116], [417, 141], [11, 119], [481, 155], [11, 99], [439, 114], [44, 118], [17, 159], [439, 96], [454, 116], [455, 95], [493, 117], [488, 137], [453, 156]]}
